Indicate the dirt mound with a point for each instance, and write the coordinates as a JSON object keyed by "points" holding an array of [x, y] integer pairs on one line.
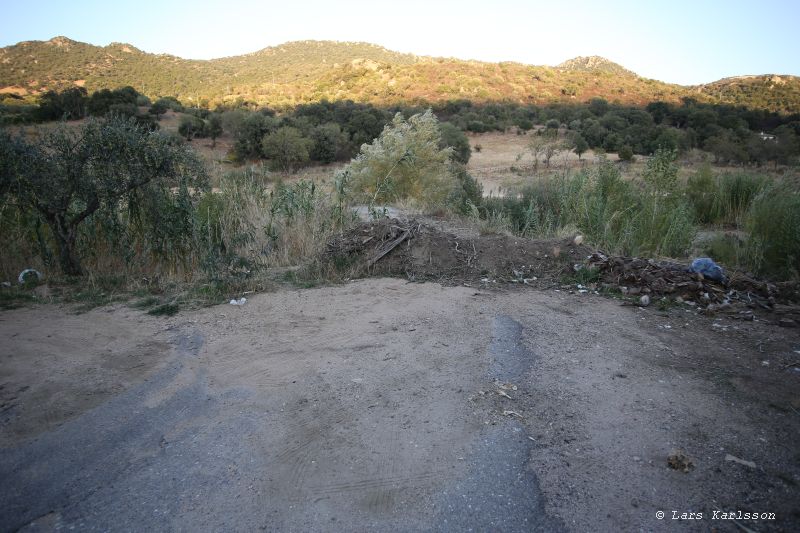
{"points": [[420, 252]]}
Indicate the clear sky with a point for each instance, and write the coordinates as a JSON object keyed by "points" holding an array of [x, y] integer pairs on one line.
{"points": [[681, 41]]}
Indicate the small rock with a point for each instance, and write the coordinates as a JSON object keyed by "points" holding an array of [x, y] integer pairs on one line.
{"points": [[644, 301], [578, 240]]}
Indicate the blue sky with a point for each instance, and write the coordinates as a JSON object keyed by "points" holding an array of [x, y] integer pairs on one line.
{"points": [[681, 41]]}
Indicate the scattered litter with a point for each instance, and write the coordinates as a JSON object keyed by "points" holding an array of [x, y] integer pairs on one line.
{"points": [[634, 276], [504, 386], [678, 460], [25, 275], [504, 394], [512, 413], [709, 269], [644, 301], [6, 284], [735, 459], [578, 240], [240, 301]]}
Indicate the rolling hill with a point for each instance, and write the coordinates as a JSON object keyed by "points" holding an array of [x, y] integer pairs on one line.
{"points": [[307, 71]]}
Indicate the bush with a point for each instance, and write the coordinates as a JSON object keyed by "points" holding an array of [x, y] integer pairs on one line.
{"points": [[467, 194], [626, 153], [405, 162], [735, 194], [250, 133], [612, 213], [702, 191], [773, 223], [192, 127], [287, 148], [329, 143], [723, 199], [477, 126], [454, 138]]}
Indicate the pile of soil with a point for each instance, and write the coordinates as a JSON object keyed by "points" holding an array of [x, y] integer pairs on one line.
{"points": [[421, 252]]}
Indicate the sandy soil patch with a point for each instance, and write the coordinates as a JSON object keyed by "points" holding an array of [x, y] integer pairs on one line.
{"points": [[387, 405]]}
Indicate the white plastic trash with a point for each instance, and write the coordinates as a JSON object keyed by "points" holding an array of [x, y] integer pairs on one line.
{"points": [[240, 301], [24, 273]]}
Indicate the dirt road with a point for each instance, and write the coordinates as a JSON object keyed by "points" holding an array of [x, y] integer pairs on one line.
{"points": [[382, 405]]}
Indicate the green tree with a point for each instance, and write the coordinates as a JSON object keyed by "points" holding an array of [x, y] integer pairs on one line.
{"points": [[598, 107], [551, 128], [625, 153], [329, 143], [287, 147], [214, 127], [191, 127], [158, 109], [579, 145], [69, 174], [454, 138], [250, 133]]}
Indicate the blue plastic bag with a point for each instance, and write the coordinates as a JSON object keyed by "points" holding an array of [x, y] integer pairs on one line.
{"points": [[709, 269]]}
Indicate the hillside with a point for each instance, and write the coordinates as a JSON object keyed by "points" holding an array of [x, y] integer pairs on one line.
{"points": [[768, 91], [594, 64], [306, 71]]}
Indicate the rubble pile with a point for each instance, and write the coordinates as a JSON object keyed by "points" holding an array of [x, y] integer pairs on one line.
{"points": [[740, 294]]}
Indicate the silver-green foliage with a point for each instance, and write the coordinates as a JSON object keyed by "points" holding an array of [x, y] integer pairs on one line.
{"points": [[107, 184], [404, 162]]}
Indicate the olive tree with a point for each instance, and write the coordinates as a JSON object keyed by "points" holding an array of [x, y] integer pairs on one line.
{"points": [[67, 174]]}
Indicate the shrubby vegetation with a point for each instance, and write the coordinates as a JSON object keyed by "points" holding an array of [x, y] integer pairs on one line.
{"points": [[657, 215], [131, 200], [404, 162], [114, 175], [636, 218], [111, 199], [335, 131]]}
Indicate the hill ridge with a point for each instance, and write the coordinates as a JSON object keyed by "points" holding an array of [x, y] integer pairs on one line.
{"points": [[312, 70]]}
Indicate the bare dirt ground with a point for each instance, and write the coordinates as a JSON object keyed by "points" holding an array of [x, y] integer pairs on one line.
{"points": [[383, 405]]}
